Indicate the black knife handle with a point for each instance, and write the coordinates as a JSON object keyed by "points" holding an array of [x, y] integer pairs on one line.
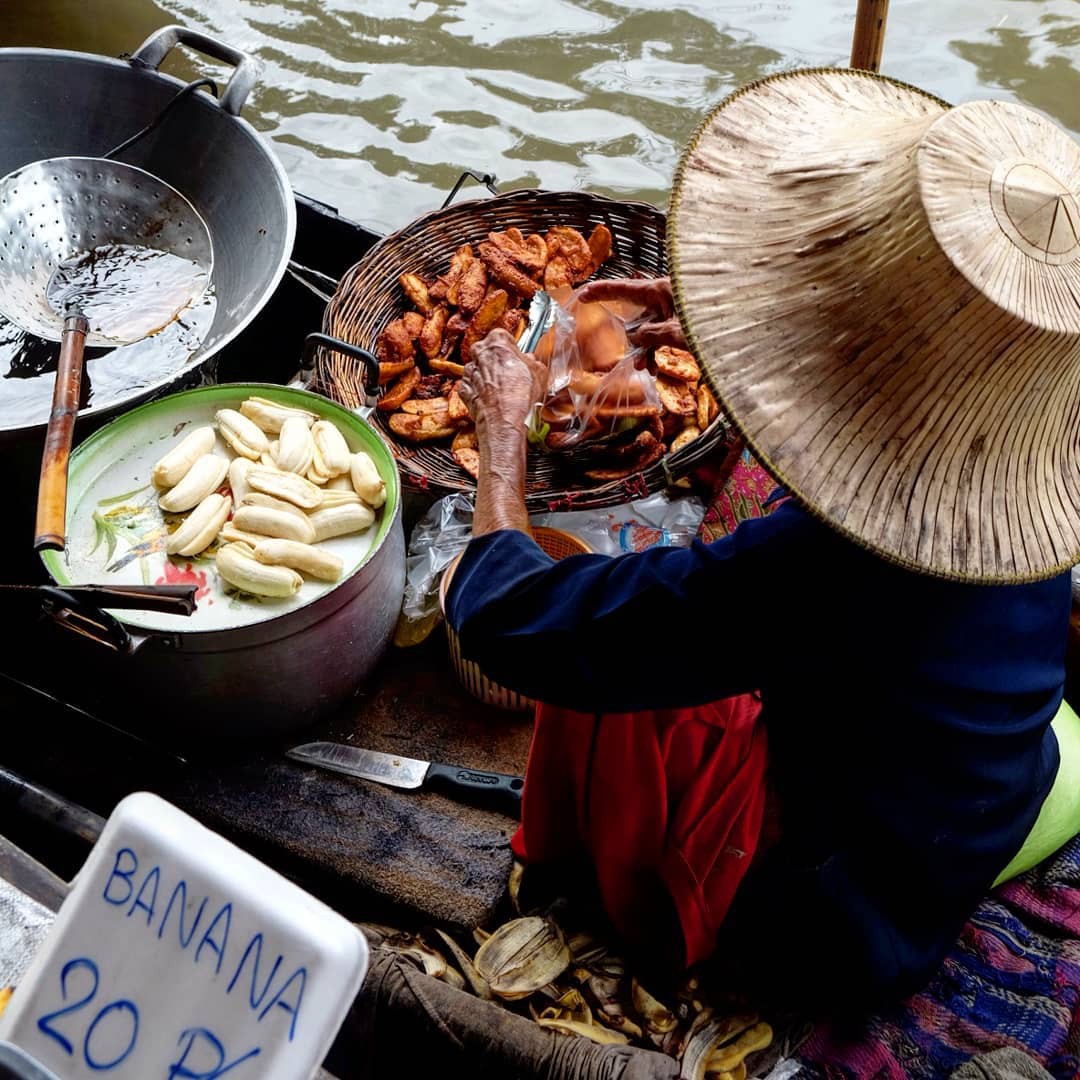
{"points": [[490, 789]]}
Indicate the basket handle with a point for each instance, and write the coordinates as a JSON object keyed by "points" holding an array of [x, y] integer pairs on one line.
{"points": [[159, 44], [315, 341], [487, 179]]}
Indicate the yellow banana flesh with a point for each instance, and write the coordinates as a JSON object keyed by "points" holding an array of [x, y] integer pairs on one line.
{"points": [[200, 528], [269, 415], [279, 524], [296, 448], [332, 447], [202, 478], [366, 481], [324, 565], [174, 466], [286, 486], [244, 436], [236, 563], [341, 520]]}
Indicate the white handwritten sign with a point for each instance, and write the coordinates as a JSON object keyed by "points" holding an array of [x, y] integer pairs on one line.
{"points": [[177, 956]]}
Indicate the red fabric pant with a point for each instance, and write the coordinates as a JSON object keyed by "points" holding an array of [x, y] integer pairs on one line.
{"points": [[661, 802]]}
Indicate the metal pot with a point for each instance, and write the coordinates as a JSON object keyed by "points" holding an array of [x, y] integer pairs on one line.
{"points": [[234, 671], [68, 103]]}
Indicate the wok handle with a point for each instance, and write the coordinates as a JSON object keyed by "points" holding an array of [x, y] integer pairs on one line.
{"points": [[52, 485], [158, 45]]}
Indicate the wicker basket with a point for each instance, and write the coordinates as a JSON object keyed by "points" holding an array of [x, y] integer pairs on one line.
{"points": [[368, 297], [557, 544]]}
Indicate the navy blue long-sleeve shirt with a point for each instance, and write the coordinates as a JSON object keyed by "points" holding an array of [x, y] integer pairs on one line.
{"points": [[908, 716]]}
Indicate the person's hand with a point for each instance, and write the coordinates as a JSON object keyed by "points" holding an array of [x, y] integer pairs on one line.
{"points": [[501, 383], [658, 325]]}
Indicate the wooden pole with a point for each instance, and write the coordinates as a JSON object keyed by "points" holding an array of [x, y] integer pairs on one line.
{"points": [[869, 36]]}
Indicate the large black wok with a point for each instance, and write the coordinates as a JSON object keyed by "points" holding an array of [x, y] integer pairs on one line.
{"points": [[61, 103]]}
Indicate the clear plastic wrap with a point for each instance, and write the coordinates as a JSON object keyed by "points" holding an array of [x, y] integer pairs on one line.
{"points": [[598, 386], [445, 530]]}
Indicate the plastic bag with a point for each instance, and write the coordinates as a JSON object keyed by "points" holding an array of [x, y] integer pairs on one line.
{"points": [[661, 520], [445, 530], [597, 382]]}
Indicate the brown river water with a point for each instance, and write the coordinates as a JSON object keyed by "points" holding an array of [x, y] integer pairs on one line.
{"points": [[376, 106]]}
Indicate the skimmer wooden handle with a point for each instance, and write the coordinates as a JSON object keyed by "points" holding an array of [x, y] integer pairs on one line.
{"points": [[52, 486]]}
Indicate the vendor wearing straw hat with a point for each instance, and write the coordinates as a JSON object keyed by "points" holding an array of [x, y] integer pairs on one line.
{"points": [[885, 294]]}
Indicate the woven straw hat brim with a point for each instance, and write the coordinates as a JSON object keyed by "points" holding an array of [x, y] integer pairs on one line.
{"points": [[885, 295]]}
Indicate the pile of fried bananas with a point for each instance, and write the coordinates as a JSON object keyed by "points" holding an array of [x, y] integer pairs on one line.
{"points": [[422, 355]]}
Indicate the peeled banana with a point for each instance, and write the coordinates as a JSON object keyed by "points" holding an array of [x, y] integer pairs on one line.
{"points": [[173, 467], [269, 415], [296, 448], [257, 498], [238, 483], [303, 557], [284, 485], [232, 535], [237, 564], [244, 436], [332, 447], [202, 478], [199, 529], [334, 497], [280, 524], [366, 481], [340, 520]]}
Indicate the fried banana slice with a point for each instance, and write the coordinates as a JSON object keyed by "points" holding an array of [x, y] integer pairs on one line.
{"points": [[483, 322], [394, 369], [456, 407], [414, 324], [707, 408], [600, 245], [649, 451], [684, 438], [431, 335], [417, 291], [447, 283], [396, 395], [466, 439], [513, 322], [501, 267], [557, 274], [395, 343], [447, 367], [676, 396], [573, 247], [677, 364], [473, 287], [530, 254], [469, 460], [421, 427], [422, 406]]}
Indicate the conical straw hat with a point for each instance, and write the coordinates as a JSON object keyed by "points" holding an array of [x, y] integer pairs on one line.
{"points": [[885, 294]]}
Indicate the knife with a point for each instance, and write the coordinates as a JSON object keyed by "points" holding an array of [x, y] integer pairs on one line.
{"points": [[491, 789]]}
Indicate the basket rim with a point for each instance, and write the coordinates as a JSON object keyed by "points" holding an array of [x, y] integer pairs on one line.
{"points": [[415, 473]]}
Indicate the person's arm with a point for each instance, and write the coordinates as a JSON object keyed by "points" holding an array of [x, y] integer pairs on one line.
{"points": [[643, 631], [500, 386]]}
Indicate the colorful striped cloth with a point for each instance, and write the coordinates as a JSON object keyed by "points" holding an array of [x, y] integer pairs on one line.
{"points": [[1013, 979]]}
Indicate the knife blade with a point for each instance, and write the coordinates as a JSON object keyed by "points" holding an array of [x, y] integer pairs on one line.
{"points": [[490, 789]]}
